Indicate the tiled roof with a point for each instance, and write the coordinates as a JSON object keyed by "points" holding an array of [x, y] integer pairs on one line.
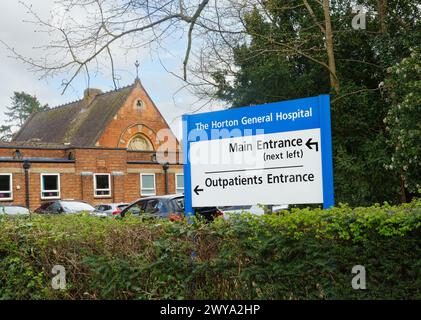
{"points": [[33, 143], [74, 123]]}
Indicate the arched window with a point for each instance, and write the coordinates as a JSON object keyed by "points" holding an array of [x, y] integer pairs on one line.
{"points": [[139, 104], [140, 143]]}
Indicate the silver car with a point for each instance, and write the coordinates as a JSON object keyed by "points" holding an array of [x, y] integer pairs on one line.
{"points": [[64, 207], [109, 209], [14, 210]]}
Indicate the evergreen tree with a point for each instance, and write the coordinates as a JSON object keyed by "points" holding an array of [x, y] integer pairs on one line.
{"points": [[22, 106]]}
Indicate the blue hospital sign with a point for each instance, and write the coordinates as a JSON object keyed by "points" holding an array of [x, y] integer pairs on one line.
{"points": [[277, 153]]}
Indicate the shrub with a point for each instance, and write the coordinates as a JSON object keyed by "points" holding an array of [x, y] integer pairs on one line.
{"points": [[297, 254]]}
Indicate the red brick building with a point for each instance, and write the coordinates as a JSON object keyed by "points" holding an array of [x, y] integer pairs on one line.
{"points": [[106, 147]]}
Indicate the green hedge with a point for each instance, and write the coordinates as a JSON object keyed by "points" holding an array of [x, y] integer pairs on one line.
{"points": [[301, 254]]}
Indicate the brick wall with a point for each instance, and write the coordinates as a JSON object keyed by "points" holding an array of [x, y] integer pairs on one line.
{"points": [[74, 185], [131, 121], [68, 181]]}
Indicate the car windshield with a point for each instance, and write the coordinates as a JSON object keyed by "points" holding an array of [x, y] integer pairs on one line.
{"points": [[76, 206], [14, 210]]}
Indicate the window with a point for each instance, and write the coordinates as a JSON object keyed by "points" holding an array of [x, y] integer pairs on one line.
{"points": [[153, 206], [102, 185], [6, 193], [140, 143], [43, 208], [55, 208], [50, 186], [180, 204], [123, 206], [179, 183], [137, 208], [139, 104], [147, 184], [103, 207]]}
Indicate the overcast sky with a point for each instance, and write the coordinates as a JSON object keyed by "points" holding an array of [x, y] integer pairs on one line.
{"points": [[15, 76]]}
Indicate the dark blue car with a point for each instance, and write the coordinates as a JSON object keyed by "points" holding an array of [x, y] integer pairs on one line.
{"points": [[167, 207]]}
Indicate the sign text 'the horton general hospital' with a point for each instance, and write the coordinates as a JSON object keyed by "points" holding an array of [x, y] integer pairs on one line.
{"points": [[270, 117]]}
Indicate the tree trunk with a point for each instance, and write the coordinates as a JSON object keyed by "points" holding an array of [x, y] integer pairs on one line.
{"points": [[381, 7], [334, 82], [403, 189]]}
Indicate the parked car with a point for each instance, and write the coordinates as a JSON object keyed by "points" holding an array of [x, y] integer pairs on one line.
{"points": [[170, 207], [109, 209], [65, 207], [14, 210], [209, 213], [167, 207], [253, 209]]}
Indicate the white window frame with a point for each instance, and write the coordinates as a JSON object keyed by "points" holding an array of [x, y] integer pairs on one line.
{"points": [[109, 183], [176, 186], [148, 189], [11, 187], [58, 185]]}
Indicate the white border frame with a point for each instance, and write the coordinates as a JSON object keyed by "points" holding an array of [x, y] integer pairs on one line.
{"points": [[11, 187], [109, 183], [176, 186], [148, 189], [58, 185]]}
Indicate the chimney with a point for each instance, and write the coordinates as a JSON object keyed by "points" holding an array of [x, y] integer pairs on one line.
{"points": [[89, 95]]}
